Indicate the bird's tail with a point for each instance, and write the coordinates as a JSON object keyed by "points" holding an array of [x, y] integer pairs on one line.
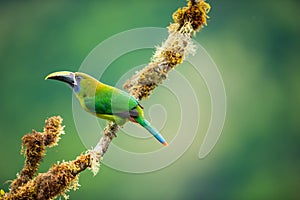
{"points": [[143, 122]]}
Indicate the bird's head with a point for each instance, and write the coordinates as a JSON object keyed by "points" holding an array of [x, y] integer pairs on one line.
{"points": [[76, 80]]}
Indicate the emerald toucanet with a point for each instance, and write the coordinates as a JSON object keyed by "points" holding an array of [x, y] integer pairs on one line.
{"points": [[105, 101]]}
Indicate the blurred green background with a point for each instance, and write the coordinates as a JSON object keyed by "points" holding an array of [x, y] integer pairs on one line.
{"points": [[256, 47]]}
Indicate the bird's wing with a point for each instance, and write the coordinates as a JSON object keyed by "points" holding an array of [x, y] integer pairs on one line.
{"points": [[95, 107], [113, 103]]}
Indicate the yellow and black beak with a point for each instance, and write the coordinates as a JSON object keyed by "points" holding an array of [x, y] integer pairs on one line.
{"points": [[63, 76]]}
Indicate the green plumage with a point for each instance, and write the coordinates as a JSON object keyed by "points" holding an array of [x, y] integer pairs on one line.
{"points": [[105, 101]]}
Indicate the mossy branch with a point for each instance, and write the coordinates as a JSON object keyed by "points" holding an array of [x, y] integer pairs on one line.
{"points": [[60, 177], [187, 21], [64, 176], [34, 147]]}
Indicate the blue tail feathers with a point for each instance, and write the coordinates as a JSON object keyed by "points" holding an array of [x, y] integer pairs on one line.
{"points": [[152, 130]]}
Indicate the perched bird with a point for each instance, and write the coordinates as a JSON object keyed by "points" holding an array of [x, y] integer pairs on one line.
{"points": [[105, 101]]}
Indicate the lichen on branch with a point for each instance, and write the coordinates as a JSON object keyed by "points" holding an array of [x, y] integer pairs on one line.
{"points": [[60, 177], [34, 147], [187, 21], [63, 176]]}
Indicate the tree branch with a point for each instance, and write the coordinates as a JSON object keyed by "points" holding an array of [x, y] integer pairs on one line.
{"points": [[187, 21], [64, 176]]}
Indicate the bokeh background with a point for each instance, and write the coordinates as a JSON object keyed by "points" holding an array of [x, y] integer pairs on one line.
{"points": [[256, 47]]}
